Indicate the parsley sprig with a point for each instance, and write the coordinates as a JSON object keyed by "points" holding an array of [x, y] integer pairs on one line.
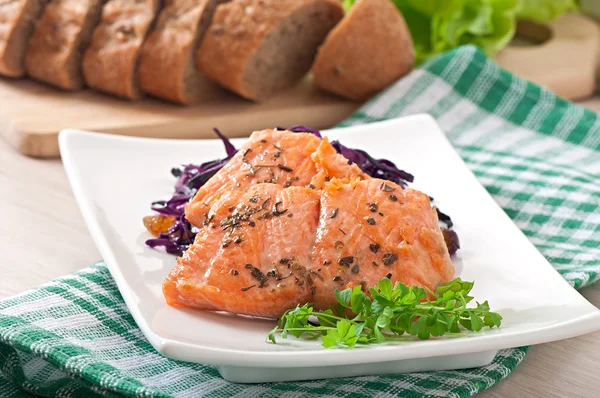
{"points": [[392, 313]]}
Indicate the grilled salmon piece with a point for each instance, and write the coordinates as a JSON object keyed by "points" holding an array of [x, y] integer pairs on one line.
{"points": [[273, 156], [269, 156], [370, 229], [253, 255]]}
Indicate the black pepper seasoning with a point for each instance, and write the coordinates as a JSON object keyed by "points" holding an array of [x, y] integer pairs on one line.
{"points": [[393, 198], [374, 247], [389, 258], [375, 264], [356, 269], [346, 261], [371, 221], [245, 289], [272, 273]]}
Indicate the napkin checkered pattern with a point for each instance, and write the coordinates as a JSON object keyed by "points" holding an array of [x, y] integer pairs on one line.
{"points": [[537, 154]]}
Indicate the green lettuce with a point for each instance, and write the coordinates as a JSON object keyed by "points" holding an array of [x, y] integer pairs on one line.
{"points": [[440, 25]]}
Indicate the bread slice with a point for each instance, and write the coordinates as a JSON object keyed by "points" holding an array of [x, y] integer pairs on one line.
{"points": [[258, 48], [60, 37], [17, 21], [167, 65], [110, 62], [370, 49]]}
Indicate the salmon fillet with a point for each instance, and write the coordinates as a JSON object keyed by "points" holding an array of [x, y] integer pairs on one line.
{"points": [[288, 220], [250, 259], [253, 255], [371, 229], [277, 157]]}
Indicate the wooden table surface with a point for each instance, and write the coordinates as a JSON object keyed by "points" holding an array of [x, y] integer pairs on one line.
{"points": [[43, 236]]}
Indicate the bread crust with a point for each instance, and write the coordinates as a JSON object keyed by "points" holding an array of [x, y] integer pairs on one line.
{"points": [[239, 30], [17, 21], [368, 50], [167, 67], [110, 62], [61, 35]]}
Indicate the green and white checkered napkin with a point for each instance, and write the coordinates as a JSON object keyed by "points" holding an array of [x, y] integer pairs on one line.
{"points": [[538, 155]]}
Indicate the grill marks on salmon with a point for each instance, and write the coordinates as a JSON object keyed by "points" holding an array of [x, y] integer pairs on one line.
{"points": [[275, 157], [273, 237]]}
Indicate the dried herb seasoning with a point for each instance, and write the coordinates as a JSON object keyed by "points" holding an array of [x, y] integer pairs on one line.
{"points": [[276, 212], [385, 187], [285, 168]]}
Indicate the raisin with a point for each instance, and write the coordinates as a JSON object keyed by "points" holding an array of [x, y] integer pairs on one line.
{"points": [[158, 223]]}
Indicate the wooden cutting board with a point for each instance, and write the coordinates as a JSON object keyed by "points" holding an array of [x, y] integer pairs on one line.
{"points": [[563, 56], [32, 115]]}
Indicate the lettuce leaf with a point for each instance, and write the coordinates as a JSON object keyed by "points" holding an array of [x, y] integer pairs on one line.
{"points": [[440, 25]]}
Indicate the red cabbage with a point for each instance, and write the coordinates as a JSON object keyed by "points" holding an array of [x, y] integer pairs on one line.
{"points": [[191, 177]]}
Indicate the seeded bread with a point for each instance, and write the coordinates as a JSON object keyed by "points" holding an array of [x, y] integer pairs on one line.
{"points": [[60, 37], [370, 49], [258, 48], [167, 66], [110, 62], [17, 21]]}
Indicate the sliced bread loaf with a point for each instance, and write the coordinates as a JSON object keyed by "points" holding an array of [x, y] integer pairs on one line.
{"points": [[17, 21], [258, 48], [167, 66], [60, 37], [370, 49], [110, 62]]}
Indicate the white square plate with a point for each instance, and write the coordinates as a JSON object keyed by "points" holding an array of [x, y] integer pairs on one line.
{"points": [[115, 178]]}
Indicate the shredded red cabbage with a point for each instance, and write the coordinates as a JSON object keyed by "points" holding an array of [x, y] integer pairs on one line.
{"points": [[191, 177]]}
